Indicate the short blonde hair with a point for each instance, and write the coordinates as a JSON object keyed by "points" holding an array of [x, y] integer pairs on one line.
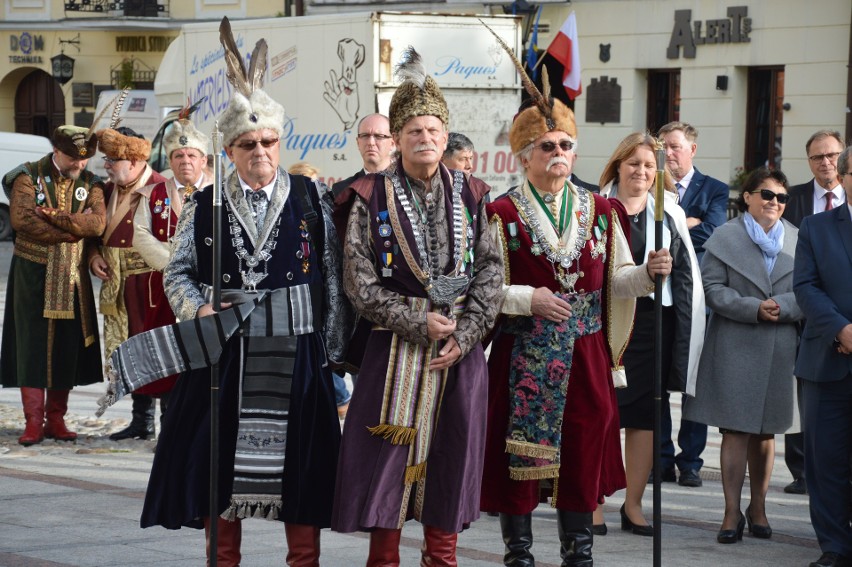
{"points": [[304, 168]]}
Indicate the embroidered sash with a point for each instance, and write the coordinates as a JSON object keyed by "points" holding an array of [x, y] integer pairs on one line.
{"points": [[538, 378], [412, 399]]}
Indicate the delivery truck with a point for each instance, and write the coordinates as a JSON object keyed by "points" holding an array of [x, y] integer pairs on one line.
{"points": [[330, 71]]}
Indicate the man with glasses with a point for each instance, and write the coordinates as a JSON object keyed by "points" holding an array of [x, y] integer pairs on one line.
{"points": [[567, 309], [125, 291], [822, 193], [50, 329], [280, 262], [704, 199], [821, 277], [375, 144]]}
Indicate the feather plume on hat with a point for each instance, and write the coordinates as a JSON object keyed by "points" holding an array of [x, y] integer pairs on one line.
{"points": [[544, 115], [417, 95], [250, 108], [184, 134], [117, 145]]}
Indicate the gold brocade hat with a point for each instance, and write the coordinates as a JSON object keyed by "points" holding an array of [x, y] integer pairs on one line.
{"points": [[417, 95]]}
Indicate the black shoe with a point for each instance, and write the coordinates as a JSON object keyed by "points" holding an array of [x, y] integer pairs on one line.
{"points": [[135, 430], [758, 531], [690, 478], [798, 486], [599, 529], [831, 559], [667, 476], [732, 536], [627, 525]]}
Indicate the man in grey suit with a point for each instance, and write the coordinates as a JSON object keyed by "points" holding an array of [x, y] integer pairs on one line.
{"points": [[823, 269], [821, 193], [704, 199]]}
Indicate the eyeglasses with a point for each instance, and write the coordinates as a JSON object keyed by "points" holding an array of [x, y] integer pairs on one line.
{"points": [[378, 137], [110, 161], [819, 157], [768, 195], [549, 147], [250, 145]]}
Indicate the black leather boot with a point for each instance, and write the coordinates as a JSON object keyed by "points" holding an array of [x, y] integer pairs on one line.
{"points": [[142, 423], [517, 535], [575, 537]]}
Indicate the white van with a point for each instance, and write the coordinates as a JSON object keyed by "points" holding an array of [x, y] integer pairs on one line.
{"points": [[17, 149]]}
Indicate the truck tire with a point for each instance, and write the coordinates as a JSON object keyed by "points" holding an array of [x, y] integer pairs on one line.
{"points": [[5, 224]]}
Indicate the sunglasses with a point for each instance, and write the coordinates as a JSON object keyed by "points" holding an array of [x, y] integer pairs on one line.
{"points": [[252, 144], [549, 147], [768, 195]]}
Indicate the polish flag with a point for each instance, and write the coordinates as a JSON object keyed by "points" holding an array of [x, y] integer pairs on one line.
{"points": [[565, 48]]}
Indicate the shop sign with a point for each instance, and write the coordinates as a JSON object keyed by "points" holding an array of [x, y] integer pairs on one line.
{"points": [[24, 46], [688, 34], [142, 43]]}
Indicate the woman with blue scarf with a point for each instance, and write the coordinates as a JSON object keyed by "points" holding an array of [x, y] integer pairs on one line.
{"points": [[745, 383]]}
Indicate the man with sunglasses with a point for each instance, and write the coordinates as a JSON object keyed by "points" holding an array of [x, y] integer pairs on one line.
{"points": [[822, 193], [125, 292], [567, 307], [419, 267], [280, 260]]}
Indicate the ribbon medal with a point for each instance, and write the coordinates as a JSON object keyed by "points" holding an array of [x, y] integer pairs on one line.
{"points": [[514, 243], [158, 207], [385, 229], [305, 246], [80, 194], [165, 214], [601, 226], [387, 260]]}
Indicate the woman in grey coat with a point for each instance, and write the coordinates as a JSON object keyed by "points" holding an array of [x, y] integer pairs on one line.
{"points": [[745, 383]]}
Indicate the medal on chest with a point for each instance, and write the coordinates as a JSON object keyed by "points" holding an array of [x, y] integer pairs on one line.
{"points": [[80, 194]]}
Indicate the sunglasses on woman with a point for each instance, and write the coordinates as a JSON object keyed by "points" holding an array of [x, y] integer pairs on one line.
{"points": [[768, 195]]}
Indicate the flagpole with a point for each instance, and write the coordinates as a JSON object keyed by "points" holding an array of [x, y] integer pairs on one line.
{"points": [[214, 369], [658, 353]]}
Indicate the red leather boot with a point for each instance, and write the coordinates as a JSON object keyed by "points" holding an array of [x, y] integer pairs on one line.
{"points": [[303, 545], [439, 548], [57, 406], [33, 400], [229, 536], [384, 548]]}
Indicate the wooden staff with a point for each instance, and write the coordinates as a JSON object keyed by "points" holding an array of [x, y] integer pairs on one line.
{"points": [[659, 196]]}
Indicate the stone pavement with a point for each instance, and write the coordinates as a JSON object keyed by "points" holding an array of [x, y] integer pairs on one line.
{"points": [[78, 504]]}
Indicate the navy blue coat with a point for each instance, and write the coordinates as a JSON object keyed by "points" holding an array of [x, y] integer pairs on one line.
{"points": [[706, 198]]}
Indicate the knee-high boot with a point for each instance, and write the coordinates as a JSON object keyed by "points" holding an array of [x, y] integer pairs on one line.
{"points": [[55, 410], [142, 420], [303, 545], [518, 537], [384, 548], [575, 538], [33, 400], [439, 548], [229, 536]]}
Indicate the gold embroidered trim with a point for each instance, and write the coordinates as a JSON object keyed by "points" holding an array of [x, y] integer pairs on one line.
{"points": [[30, 250], [415, 473], [532, 450], [534, 473], [396, 434], [504, 246]]}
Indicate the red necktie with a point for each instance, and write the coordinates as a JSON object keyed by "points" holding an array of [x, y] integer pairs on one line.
{"points": [[829, 201]]}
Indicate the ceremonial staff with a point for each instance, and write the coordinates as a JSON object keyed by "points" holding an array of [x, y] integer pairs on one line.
{"points": [[214, 369], [659, 196]]}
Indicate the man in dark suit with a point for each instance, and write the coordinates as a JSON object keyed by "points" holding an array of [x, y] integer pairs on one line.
{"points": [[375, 145], [705, 202], [823, 269], [823, 149]]}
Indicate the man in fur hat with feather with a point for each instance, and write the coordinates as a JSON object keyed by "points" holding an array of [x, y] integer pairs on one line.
{"points": [[566, 313], [418, 265], [279, 434], [125, 299], [50, 330], [154, 226]]}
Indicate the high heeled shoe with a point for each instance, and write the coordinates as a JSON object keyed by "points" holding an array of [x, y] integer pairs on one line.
{"points": [[628, 525], [732, 536], [757, 530]]}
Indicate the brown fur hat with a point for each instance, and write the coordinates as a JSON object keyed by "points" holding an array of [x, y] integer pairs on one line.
{"points": [[72, 141], [417, 95], [531, 123], [127, 145]]}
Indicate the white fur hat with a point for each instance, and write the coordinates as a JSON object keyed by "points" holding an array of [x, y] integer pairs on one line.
{"points": [[257, 112], [183, 134]]}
